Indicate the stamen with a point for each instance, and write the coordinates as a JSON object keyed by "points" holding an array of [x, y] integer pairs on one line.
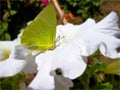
{"points": [[58, 41], [4, 53]]}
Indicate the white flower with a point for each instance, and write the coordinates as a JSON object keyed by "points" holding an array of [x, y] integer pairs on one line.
{"points": [[101, 36], [8, 65], [15, 58], [76, 42], [91, 36]]}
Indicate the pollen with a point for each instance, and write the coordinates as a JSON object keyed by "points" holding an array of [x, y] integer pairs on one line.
{"points": [[4, 53]]}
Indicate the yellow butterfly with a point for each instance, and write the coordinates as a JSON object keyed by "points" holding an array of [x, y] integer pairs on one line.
{"points": [[40, 33]]}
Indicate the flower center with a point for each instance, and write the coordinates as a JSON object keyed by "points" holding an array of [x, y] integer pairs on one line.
{"points": [[4, 53]]}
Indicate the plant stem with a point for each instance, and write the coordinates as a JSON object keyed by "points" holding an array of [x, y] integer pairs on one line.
{"points": [[85, 83], [60, 11]]}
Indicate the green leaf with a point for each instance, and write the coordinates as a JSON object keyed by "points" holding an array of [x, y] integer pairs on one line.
{"points": [[11, 83], [103, 86], [7, 36], [12, 12], [113, 67], [40, 34], [96, 68], [3, 26]]}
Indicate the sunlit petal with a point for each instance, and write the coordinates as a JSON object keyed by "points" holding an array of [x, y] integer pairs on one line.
{"points": [[70, 62], [92, 41], [7, 44], [69, 30], [109, 25], [11, 67], [22, 53], [61, 83], [43, 80]]}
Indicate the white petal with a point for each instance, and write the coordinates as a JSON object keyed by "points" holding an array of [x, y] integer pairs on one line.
{"points": [[70, 62], [7, 44], [69, 30], [5, 49], [21, 52], [89, 42], [100, 35], [31, 66], [86, 25], [108, 49], [109, 25], [67, 59], [4, 53], [42, 81], [11, 67], [62, 83]]}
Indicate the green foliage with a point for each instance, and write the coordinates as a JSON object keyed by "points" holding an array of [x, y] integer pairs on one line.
{"points": [[42, 30], [114, 80], [11, 83], [103, 86], [84, 8], [17, 13], [3, 31], [12, 12], [113, 67]]}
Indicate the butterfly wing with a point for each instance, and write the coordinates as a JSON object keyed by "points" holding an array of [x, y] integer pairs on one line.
{"points": [[40, 33]]}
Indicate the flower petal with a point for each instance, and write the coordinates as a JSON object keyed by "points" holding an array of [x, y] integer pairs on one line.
{"points": [[70, 62], [109, 48], [66, 58], [89, 42], [31, 66], [109, 25], [62, 83], [7, 45], [90, 39], [22, 53], [43, 80], [5, 49], [69, 30], [11, 67]]}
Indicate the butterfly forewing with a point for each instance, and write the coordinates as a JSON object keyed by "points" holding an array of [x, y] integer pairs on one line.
{"points": [[40, 33]]}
